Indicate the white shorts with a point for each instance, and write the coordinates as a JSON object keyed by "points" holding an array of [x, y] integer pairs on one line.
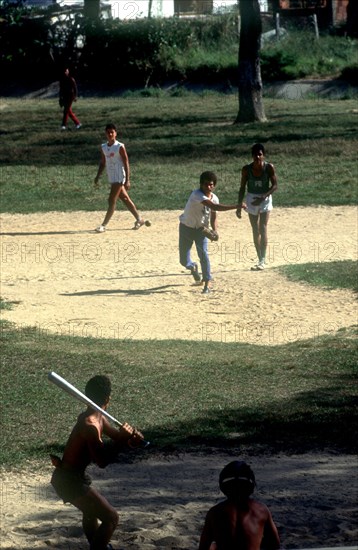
{"points": [[115, 183], [265, 206]]}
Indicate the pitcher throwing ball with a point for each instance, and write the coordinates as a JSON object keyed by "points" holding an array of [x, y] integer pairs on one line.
{"points": [[85, 446], [198, 224]]}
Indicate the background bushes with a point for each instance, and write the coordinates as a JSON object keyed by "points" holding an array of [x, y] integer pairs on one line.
{"points": [[151, 52]]}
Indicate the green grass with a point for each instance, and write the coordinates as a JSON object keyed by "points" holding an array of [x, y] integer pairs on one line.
{"points": [[300, 55], [294, 397], [185, 395], [5, 305], [330, 275], [170, 141]]}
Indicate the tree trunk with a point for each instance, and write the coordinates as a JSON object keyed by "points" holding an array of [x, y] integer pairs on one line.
{"points": [[251, 106], [352, 19], [91, 9]]}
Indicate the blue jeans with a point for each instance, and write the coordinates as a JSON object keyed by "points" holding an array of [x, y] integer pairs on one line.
{"points": [[188, 236]]}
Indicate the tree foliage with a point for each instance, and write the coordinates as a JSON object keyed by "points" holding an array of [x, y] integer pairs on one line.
{"points": [[92, 9], [108, 52]]}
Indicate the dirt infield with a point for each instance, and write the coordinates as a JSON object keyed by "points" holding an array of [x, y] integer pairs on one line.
{"points": [[66, 279]]}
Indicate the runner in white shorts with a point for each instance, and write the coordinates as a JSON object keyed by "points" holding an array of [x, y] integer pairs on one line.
{"points": [[264, 206], [259, 180], [115, 159]]}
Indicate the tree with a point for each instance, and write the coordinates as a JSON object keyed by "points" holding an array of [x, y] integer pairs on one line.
{"points": [[251, 107], [352, 19], [92, 9]]}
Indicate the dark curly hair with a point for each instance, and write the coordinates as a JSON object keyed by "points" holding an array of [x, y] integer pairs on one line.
{"points": [[98, 389], [207, 176]]}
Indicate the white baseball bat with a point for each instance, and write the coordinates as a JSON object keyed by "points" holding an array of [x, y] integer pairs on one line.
{"points": [[77, 394]]}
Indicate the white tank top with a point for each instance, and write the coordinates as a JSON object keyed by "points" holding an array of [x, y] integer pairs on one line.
{"points": [[114, 163]]}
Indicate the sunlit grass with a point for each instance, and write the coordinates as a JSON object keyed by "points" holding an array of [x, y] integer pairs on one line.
{"points": [[170, 141], [339, 274]]}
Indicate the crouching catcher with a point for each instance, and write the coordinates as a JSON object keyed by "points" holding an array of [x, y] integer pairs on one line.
{"points": [[85, 446]]}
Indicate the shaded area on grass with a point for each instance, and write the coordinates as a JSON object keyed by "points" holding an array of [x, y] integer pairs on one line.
{"points": [[295, 397], [169, 126], [275, 429]]}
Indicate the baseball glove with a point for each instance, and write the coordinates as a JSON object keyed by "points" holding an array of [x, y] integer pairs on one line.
{"points": [[210, 234]]}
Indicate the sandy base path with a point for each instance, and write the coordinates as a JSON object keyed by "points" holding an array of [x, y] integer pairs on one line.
{"points": [[162, 502], [66, 279]]}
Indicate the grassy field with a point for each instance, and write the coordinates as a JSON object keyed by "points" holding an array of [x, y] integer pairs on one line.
{"points": [[170, 141], [294, 397], [329, 275]]}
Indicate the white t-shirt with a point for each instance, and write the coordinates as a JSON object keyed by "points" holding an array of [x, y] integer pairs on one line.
{"points": [[114, 163], [195, 213]]}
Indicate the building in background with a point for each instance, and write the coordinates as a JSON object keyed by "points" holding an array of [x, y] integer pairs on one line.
{"points": [[133, 9], [329, 12]]}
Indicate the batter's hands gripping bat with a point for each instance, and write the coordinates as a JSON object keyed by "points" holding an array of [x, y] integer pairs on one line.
{"points": [[77, 394]]}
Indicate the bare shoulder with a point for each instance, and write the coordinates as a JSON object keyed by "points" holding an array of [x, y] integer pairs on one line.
{"points": [[270, 168], [217, 509], [259, 508], [123, 150], [90, 426]]}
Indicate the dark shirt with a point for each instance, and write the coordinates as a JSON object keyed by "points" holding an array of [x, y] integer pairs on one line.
{"points": [[68, 89]]}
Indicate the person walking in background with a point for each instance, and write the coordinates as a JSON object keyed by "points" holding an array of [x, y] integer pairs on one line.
{"points": [[260, 179], [68, 94], [239, 522], [115, 159]]}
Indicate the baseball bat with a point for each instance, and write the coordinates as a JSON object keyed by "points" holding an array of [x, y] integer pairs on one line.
{"points": [[77, 394]]}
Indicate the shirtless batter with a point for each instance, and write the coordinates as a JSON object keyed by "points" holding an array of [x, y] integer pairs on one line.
{"points": [[84, 446]]}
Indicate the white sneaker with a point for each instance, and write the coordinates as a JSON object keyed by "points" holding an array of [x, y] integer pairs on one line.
{"points": [[63, 128], [138, 224], [78, 126], [258, 267], [100, 229]]}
